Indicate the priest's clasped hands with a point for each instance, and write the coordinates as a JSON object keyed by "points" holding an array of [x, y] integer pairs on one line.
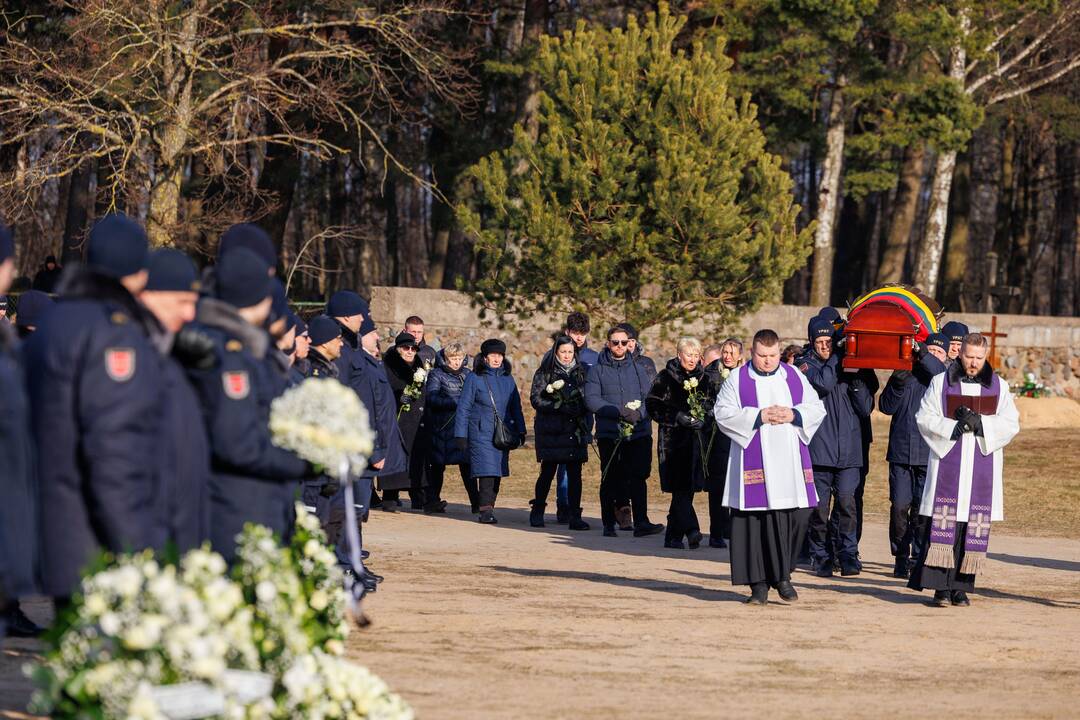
{"points": [[777, 415]]}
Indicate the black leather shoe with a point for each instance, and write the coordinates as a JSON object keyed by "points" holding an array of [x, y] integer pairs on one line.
{"points": [[18, 625], [388, 506], [787, 591], [849, 568], [674, 544], [610, 532], [648, 528], [374, 576], [900, 569], [437, 507], [717, 542], [759, 594], [693, 540], [959, 598], [487, 517], [364, 554], [824, 569], [941, 598]]}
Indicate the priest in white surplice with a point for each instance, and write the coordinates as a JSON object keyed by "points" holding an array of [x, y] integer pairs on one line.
{"points": [[770, 412], [967, 417]]}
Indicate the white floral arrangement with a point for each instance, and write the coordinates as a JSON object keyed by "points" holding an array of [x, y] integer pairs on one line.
{"points": [[323, 422], [554, 387], [319, 685], [322, 584], [414, 390], [136, 624]]}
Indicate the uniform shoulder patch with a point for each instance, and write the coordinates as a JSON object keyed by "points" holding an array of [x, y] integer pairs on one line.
{"points": [[120, 363], [234, 346], [236, 384], [118, 318]]}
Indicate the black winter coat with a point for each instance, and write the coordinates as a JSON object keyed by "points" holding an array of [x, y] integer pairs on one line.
{"points": [[443, 392], [563, 432], [678, 448], [95, 386], [400, 376], [901, 398], [18, 481], [717, 443]]}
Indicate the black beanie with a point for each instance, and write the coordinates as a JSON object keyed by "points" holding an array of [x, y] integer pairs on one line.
{"points": [[117, 246], [346, 303], [493, 345], [630, 330], [171, 270], [955, 331], [819, 327], [242, 279], [301, 326], [322, 330], [252, 237], [7, 243], [938, 340], [280, 308], [405, 339]]}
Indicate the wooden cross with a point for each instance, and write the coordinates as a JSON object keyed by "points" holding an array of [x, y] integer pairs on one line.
{"points": [[994, 335]]}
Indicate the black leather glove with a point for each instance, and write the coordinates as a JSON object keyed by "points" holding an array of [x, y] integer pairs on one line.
{"points": [[462, 443], [960, 429], [974, 421], [900, 376], [687, 420], [630, 416], [330, 489], [193, 348]]}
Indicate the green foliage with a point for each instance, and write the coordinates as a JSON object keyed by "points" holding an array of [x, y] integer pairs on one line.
{"points": [[648, 196]]}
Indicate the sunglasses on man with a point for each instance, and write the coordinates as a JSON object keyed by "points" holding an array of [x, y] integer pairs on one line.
{"points": [[619, 342]]}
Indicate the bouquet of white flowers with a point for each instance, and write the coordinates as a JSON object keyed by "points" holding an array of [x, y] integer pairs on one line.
{"points": [[136, 624], [414, 390], [321, 584], [319, 686], [323, 422]]}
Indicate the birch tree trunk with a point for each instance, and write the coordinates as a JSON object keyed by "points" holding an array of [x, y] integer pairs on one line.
{"points": [[828, 200], [905, 208]]}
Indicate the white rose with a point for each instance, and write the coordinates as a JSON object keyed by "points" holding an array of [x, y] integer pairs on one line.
{"points": [[633, 405], [419, 376], [110, 623], [559, 384], [693, 382], [266, 591], [95, 604], [319, 600], [311, 548], [549, 389]]}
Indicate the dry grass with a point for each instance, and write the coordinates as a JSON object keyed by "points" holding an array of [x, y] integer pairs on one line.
{"points": [[1042, 482]]}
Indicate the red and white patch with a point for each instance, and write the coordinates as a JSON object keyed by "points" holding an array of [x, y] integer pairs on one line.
{"points": [[236, 384], [120, 363]]}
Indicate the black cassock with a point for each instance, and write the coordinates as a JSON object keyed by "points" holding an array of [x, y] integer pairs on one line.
{"points": [[765, 544]]}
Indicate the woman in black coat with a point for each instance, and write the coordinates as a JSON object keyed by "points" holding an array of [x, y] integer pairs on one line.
{"points": [[444, 385], [562, 427], [678, 447], [406, 371]]}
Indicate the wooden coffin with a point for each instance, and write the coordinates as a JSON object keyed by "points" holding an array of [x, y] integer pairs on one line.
{"points": [[878, 336]]}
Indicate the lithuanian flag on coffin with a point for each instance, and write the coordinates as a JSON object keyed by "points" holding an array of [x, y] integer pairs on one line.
{"points": [[923, 311]]}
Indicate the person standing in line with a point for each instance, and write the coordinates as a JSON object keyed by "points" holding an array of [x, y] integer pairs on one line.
{"points": [[955, 332], [561, 428], [615, 391], [577, 327], [771, 412], [489, 397], [414, 325], [408, 380], [300, 368], [444, 386], [679, 446], [908, 452], [720, 361], [33, 305]]}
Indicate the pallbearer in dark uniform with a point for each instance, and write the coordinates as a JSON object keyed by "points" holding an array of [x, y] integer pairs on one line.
{"points": [[301, 368], [33, 305], [18, 484], [95, 395], [908, 451], [955, 332], [837, 450], [252, 479], [771, 412], [171, 295], [967, 417]]}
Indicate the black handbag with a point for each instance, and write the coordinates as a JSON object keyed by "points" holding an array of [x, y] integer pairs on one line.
{"points": [[501, 437]]}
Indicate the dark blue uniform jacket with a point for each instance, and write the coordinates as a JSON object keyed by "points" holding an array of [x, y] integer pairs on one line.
{"points": [[849, 399], [901, 398]]}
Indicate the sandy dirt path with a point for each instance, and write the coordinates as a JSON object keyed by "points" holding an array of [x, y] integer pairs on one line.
{"points": [[511, 622]]}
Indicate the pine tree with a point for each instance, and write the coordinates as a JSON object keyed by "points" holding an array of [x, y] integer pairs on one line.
{"points": [[648, 194]]}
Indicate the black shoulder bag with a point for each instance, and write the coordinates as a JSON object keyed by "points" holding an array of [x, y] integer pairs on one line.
{"points": [[501, 437]]}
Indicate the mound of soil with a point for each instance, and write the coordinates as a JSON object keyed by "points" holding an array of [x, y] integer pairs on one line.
{"points": [[1049, 412]]}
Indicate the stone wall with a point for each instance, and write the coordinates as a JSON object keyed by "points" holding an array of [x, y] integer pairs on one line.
{"points": [[1049, 347]]}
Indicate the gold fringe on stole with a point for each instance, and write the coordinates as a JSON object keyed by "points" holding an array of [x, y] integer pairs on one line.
{"points": [[972, 564], [940, 555]]}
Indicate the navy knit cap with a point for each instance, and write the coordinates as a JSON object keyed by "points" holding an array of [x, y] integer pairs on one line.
{"points": [[819, 327], [955, 331], [301, 326], [322, 330], [493, 345], [252, 237], [7, 243], [345, 303], [630, 330], [829, 313], [367, 325], [117, 246], [172, 271], [938, 340], [33, 304], [242, 280], [280, 308]]}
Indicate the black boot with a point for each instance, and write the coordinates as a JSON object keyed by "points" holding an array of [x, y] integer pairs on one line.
{"points": [[576, 523], [900, 569], [536, 515], [941, 598], [787, 592], [647, 528], [693, 539], [562, 513], [759, 594]]}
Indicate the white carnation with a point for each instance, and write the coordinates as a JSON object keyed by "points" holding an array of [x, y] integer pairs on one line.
{"points": [[633, 405]]}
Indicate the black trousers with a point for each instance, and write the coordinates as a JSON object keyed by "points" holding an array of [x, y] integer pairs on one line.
{"points": [[548, 470], [681, 519], [630, 464], [487, 490], [436, 475], [719, 516], [835, 538], [926, 577], [765, 544], [905, 524]]}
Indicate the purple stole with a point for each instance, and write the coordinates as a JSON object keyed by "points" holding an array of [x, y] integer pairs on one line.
{"points": [[755, 496], [947, 491]]}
